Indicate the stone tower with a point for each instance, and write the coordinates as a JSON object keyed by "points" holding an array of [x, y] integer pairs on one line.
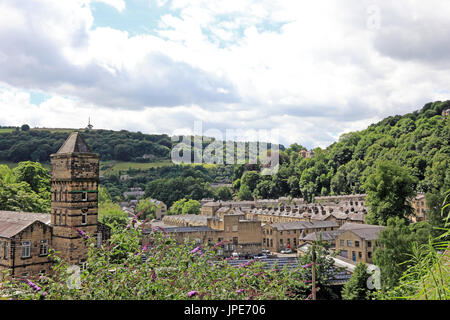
{"points": [[75, 178]]}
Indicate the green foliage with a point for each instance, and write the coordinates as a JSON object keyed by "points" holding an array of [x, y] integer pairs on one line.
{"points": [[324, 263], [428, 274], [177, 207], [25, 188], [146, 209], [356, 288], [245, 193], [110, 214], [191, 207], [223, 193], [389, 189], [418, 142], [394, 247], [34, 174], [184, 206], [170, 272]]}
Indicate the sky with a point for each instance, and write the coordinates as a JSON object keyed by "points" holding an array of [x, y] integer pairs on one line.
{"points": [[312, 70]]}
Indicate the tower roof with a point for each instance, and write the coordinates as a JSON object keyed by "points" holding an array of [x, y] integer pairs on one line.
{"points": [[75, 143]]}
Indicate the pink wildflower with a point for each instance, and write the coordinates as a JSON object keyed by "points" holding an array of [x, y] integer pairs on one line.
{"points": [[192, 293], [34, 286], [195, 250], [82, 233]]}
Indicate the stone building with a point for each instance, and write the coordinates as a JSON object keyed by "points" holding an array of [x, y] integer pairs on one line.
{"points": [[446, 113], [26, 237], [419, 204], [306, 154], [241, 235], [357, 242], [279, 236]]}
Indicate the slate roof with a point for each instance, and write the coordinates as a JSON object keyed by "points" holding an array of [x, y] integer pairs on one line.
{"points": [[326, 235], [364, 231], [189, 229], [75, 143], [11, 223], [295, 225]]}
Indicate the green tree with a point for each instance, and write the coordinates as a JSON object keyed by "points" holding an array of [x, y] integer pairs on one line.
{"points": [[224, 193], [34, 174], [146, 208], [191, 207], [245, 193], [177, 207], [20, 197], [110, 214], [388, 190], [25, 127], [356, 288], [394, 247], [250, 179]]}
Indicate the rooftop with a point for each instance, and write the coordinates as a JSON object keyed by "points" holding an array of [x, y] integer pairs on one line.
{"points": [[11, 223], [304, 225], [74, 143]]}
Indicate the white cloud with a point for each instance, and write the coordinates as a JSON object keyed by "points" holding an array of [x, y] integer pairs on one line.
{"points": [[312, 69], [119, 5]]}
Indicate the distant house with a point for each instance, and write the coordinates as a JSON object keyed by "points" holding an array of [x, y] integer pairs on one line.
{"points": [[420, 207], [125, 177], [134, 193], [279, 236], [305, 153], [357, 242], [446, 113]]}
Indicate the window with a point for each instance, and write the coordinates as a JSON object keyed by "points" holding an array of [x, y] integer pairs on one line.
{"points": [[349, 243], [84, 218], [289, 232], [234, 228], [198, 241], [369, 244], [26, 249], [356, 243], [43, 249], [235, 240], [271, 243], [360, 255], [281, 233], [295, 242], [369, 255], [342, 243], [295, 231], [281, 242], [84, 196]]}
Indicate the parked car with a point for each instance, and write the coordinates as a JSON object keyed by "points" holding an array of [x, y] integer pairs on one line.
{"points": [[265, 251], [235, 255], [286, 251], [260, 256]]}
